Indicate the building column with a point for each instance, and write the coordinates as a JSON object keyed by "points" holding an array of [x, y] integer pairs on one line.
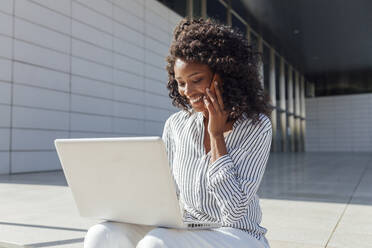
{"points": [[228, 13], [283, 119], [303, 114], [273, 99], [190, 8], [204, 9], [297, 111], [261, 66], [290, 109]]}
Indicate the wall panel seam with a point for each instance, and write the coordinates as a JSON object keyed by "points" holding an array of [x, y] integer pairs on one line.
{"points": [[12, 91]]}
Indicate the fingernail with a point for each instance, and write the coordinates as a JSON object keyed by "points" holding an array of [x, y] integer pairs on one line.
{"points": [[208, 89], [215, 82]]}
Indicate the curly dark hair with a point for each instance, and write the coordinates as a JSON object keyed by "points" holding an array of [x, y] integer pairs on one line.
{"points": [[226, 51]]}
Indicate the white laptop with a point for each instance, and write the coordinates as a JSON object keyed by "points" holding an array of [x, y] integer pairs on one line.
{"points": [[123, 179]]}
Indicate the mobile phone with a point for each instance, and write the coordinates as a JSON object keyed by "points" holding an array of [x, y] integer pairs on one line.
{"points": [[211, 86]]}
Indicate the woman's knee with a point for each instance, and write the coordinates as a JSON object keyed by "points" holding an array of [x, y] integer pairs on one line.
{"points": [[150, 241], [97, 236], [107, 235]]}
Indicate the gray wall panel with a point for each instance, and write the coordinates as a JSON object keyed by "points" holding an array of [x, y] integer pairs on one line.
{"points": [[339, 123], [80, 68]]}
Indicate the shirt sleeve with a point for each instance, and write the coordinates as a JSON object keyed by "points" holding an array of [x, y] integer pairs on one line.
{"points": [[234, 178], [167, 138], [168, 141]]}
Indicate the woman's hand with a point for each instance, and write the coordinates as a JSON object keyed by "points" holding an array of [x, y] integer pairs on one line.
{"points": [[217, 117]]}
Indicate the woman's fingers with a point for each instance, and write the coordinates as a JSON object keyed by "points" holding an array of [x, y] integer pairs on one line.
{"points": [[209, 105], [214, 100], [219, 95]]}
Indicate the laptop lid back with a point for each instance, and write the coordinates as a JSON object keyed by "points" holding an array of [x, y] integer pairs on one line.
{"points": [[121, 179]]}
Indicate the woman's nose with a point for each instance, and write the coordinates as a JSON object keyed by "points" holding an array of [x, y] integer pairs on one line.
{"points": [[188, 89]]}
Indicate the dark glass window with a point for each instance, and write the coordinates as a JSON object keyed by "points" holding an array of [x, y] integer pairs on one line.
{"points": [[197, 8], [308, 92], [217, 11], [279, 136], [343, 83], [289, 133], [254, 41], [239, 25], [277, 77], [179, 6], [286, 84], [266, 64], [294, 90], [239, 8]]}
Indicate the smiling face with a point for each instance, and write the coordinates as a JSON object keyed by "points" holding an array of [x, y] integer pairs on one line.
{"points": [[193, 79]]}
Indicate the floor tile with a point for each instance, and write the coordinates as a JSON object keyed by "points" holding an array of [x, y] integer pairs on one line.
{"points": [[351, 240], [285, 244]]}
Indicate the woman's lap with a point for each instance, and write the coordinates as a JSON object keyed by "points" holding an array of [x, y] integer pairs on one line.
{"points": [[224, 237], [115, 235]]}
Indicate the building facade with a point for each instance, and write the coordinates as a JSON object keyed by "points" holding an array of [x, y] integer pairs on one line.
{"points": [[96, 68], [72, 69]]}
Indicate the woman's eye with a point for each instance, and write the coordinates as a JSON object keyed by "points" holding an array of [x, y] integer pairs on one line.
{"points": [[197, 80]]}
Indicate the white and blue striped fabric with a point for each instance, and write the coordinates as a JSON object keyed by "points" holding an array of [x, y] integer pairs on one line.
{"points": [[224, 191]]}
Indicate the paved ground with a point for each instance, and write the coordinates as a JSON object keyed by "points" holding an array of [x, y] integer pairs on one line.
{"points": [[309, 200]]}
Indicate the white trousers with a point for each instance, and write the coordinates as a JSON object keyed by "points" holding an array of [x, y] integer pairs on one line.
{"points": [[122, 235]]}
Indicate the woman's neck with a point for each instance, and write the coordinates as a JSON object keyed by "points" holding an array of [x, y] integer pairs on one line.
{"points": [[206, 115]]}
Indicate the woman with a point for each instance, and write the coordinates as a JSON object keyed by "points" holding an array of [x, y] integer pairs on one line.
{"points": [[218, 145]]}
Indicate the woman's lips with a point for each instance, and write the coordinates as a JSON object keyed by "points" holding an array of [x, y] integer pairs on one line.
{"points": [[196, 99]]}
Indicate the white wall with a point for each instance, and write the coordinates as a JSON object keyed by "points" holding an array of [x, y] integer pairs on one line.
{"points": [[79, 68], [339, 123]]}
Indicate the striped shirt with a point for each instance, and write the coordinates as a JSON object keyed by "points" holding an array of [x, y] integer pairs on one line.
{"points": [[224, 191]]}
